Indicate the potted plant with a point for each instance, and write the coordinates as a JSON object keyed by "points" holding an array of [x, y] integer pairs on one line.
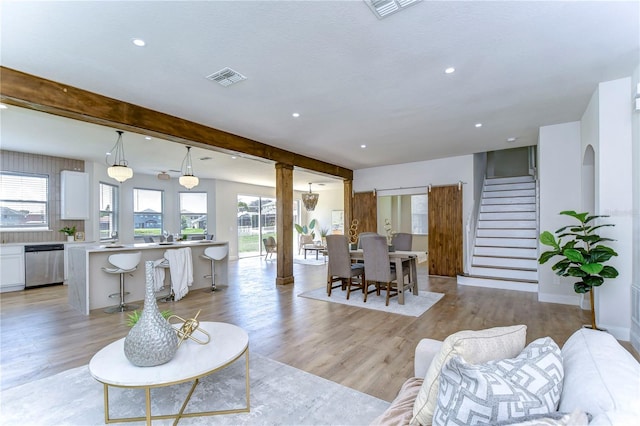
{"points": [[70, 232], [323, 234], [581, 256], [305, 230]]}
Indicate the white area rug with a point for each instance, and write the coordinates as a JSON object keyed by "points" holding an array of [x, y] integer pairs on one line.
{"points": [[280, 394], [310, 260], [414, 306]]}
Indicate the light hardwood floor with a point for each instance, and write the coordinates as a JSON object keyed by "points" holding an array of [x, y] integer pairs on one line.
{"points": [[366, 350]]}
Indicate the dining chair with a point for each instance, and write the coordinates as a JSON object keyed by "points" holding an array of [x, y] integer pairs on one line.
{"points": [[270, 247], [340, 266], [364, 235], [402, 241], [375, 251], [304, 240]]}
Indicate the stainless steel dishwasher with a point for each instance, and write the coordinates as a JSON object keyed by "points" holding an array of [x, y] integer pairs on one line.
{"points": [[43, 264]]}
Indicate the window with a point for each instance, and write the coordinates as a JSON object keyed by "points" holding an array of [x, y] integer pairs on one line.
{"points": [[147, 212], [24, 201], [419, 214], [108, 211], [256, 220], [193, 213]]}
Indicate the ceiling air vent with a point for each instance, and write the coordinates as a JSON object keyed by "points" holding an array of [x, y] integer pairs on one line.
{"points": [[384, 8], [226, 77]]}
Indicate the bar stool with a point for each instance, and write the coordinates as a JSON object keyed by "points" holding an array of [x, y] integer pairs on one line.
{"points": [[170, 297], [214, 253], [124, 263]]}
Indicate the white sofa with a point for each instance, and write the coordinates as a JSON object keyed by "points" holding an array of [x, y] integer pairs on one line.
{"points": [[601, 381]]}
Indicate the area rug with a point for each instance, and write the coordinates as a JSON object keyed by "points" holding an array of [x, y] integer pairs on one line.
{"points": [[310, 260], [280, 394], [414, 306]]}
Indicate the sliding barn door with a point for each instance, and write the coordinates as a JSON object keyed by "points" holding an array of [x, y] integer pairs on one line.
{"points": [[445, 231], [365, 210]]}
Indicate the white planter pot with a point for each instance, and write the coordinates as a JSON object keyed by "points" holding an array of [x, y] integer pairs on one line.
{"points": [[70, 238]]}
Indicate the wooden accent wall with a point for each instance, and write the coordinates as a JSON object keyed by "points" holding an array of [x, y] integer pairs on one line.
{"points": [[21, 162], [284, 219], [365, 209], [445, 231]]}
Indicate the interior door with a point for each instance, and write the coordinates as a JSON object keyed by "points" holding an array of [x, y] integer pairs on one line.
{"points": [[445, 231], [365, 210]]}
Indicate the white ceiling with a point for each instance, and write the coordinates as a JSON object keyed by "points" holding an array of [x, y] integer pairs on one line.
{"points": [[353, 78]]}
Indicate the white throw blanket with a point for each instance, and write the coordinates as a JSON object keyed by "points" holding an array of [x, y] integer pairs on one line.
{"points": [[181, 270], [158, 274]]}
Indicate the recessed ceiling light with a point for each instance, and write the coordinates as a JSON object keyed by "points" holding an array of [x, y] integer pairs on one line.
{"points": [[295, 115], [478, 124], [233, 157], [511, 139], [148, 138], [138, 42], [450, 70], [363, 146], [3, 106]]}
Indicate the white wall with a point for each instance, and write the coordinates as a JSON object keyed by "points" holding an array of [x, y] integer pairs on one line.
{"points": [[329, 200], [445, 171], [559, 182], [613, 197], [635, 283]]}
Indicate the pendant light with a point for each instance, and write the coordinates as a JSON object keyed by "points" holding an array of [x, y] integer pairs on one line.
{"points": [[188, 180], [118, 165], [310, 199]]}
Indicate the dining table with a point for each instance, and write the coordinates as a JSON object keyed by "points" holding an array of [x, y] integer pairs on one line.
{"points": [[398, 257]]}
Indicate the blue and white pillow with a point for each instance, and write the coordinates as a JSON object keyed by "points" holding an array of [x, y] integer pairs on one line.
{"points": [[501, 390]]}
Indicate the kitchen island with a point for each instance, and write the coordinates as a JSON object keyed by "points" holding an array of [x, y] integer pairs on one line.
{"points": [[90, 286]]}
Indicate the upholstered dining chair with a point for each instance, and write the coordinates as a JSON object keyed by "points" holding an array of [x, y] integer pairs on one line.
{"points": [[340, 267], [304, 240], [364, 235], [377, 268], [270, 247], [402, 241]]}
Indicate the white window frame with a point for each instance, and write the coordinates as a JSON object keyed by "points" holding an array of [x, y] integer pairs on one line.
{"points": [[7, 198]]}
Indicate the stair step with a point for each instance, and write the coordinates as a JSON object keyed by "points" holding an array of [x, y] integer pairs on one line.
{"points": [[507, 233], [512, 274], [476, 281], [490, 187], [513, 179], [510, 193], [519, 252], [503, 242], [505, 262], [508, 216], [506, 201], [507, 208], [507, 224]]}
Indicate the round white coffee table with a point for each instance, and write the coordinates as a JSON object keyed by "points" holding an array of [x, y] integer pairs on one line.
{"points": [[191, 362]]}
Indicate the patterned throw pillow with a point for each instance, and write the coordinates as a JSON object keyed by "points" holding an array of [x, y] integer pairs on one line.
{"points": [[475, 346], [500, 390]]}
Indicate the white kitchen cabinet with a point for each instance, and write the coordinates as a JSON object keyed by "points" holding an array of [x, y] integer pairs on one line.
{"points": [[74, 187], [11, 268]]}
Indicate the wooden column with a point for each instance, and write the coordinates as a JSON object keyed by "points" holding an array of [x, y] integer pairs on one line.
{"points": [[284, 214], [348, 204]]}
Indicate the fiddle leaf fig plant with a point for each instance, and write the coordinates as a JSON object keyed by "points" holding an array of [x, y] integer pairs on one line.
{"points": [[581, 254]]}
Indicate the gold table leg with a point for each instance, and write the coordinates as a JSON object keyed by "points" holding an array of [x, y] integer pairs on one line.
{"points": [[148, 417]]}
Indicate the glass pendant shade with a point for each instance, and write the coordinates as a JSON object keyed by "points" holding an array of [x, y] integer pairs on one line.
{"points": [[188, 180], [310, 199], [118, 166]]}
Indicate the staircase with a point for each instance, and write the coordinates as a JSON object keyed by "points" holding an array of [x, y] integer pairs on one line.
{"points": [[506, 240]]}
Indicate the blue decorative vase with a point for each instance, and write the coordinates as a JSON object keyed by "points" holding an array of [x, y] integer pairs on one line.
{"points": [[152, 341]]}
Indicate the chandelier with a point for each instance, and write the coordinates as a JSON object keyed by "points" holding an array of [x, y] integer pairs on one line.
{"points": [[118, 166], [310, 199], [188, 180]]}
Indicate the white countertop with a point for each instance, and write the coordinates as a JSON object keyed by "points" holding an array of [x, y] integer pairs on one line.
{"points": [[147, 246]]}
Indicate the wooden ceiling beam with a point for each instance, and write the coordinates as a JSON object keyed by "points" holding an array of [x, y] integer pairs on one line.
{"points": [[28, 91]]}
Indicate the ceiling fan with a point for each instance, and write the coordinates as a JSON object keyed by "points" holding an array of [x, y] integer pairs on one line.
{"points": [[164, 175]]}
